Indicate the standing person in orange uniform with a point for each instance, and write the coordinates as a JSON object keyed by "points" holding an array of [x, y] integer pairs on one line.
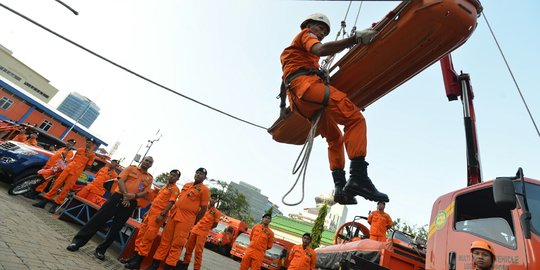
{"points": [[483, 255], [380, 222], [21, 135], [64, 154], [309, 92], [96, 186], [199, 233], [188, 210], [33, 139], [134, 183], [156, 216], [302, 257], [83, 158], [261, 238]]}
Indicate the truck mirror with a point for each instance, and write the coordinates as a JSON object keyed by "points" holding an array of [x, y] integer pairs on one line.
{"points": [[504, 193]]}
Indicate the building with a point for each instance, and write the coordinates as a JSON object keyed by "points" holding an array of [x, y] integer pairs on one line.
{"points": [[258, 203], [24, 77], [292, 230], [79, 108], [18, 106], [336, 216]]}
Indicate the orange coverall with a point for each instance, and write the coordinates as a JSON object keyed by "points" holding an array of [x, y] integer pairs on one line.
{"points": [[306, 94], [225, 237], [96, 186], [261, 239], [32, 142], [67, 155], [197, 237], [183, 216], [379, 222], [71, 173], [302, 259], [21, 137], [150, 227]]}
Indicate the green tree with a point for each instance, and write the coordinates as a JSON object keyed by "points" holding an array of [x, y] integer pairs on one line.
{"points": [[270, 210], [414, 230], [318, 227], [232, 203], [162, 178]]}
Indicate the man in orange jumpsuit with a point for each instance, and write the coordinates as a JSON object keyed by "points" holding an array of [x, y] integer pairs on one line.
{"points": [[302, 257], [156, 216], [64, 155], [261, 238], [188, 210], [134, 183], [483, 255], [310, 94], [199, 233], [96, 186], [380, 222], [224, 241], [21, 135], [83, 157], [33, 139]]}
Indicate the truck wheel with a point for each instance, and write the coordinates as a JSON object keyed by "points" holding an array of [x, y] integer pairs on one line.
{"points": [[25, 185]]}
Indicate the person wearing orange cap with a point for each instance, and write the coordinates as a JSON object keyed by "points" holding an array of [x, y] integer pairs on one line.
{"points": [[62, 155], [33, 139], [302, 257], [188, 210], [197, 237], [483, 255], [380, 222], [83, 158], [134, 183], [310, 94], [261, 239], [155, 217], [96, 186]]}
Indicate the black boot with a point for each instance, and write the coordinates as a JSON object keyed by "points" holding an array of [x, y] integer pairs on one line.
{"points": [[135, 263], [155, 265], [124, 261], [168, 267], [53, 208], [41, 203], [360, 184], [340, 196]]}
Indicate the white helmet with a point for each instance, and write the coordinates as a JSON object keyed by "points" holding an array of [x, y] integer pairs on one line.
{"points": [[318, 17]]}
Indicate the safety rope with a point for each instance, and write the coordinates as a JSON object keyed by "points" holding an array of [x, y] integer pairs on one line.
{"points": [[512, 75], [130, 71], [303, 157]]}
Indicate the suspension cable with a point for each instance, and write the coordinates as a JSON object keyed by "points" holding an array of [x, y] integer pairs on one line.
{"points": [[130, 71], [511, 74]]}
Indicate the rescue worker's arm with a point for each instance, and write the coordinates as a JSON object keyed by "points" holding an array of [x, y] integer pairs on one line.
{"points": [[201, 213], [313, 260], [370, 217], [165, 211], [270, 241], [390, 223], [332, 47]]}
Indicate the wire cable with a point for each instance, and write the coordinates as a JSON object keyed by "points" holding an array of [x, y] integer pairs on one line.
{"points": [[512, 75], [130, 71]]}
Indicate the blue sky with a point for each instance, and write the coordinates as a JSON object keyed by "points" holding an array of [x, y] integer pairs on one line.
{"points": [[226, 54]]}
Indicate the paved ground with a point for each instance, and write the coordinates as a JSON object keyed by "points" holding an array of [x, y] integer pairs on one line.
{"points": [[31, 239]]}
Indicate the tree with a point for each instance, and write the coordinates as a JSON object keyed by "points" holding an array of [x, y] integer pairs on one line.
{"points": [[162, 178], [270, 210], [318, 227], [232, 203], [413, 230]]}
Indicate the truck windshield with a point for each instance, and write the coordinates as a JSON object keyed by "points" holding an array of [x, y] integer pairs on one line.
{"points": [[220, 227], [243, 240], [274, 252]]}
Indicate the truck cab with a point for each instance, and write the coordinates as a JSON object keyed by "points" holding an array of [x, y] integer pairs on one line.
{"points": [[239, 246], [463, 216]]}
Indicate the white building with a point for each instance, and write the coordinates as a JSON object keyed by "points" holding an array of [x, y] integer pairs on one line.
{"points": [[336, 216]]}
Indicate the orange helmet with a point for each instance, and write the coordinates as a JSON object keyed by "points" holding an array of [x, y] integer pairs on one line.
{"points": [[479, 244]]}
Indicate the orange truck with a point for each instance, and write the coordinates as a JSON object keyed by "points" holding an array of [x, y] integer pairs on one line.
{"points": [[504, 212], [276, 257], [222, 237], [239, 246]]}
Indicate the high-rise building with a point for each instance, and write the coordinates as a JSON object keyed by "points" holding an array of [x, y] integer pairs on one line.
{"points": [[79, 108], [258, 203]]}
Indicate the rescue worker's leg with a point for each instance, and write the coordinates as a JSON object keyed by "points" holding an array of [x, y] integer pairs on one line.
{"points": [[181, 233], [52, 192], [199, 248], [83, 193], [246, 260], [336, 155], [41, 187], [121, 215], [71, 179], [166, 240], [190, 245], [94, 224]]}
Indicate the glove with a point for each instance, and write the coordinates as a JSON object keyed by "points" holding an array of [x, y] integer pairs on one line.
{"points": [[365, 36]]}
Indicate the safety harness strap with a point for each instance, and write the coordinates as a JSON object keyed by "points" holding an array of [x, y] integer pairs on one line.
{"points": [[285, 84]]}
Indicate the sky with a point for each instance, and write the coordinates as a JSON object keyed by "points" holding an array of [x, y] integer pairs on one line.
{"points": [[226, 54]]}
